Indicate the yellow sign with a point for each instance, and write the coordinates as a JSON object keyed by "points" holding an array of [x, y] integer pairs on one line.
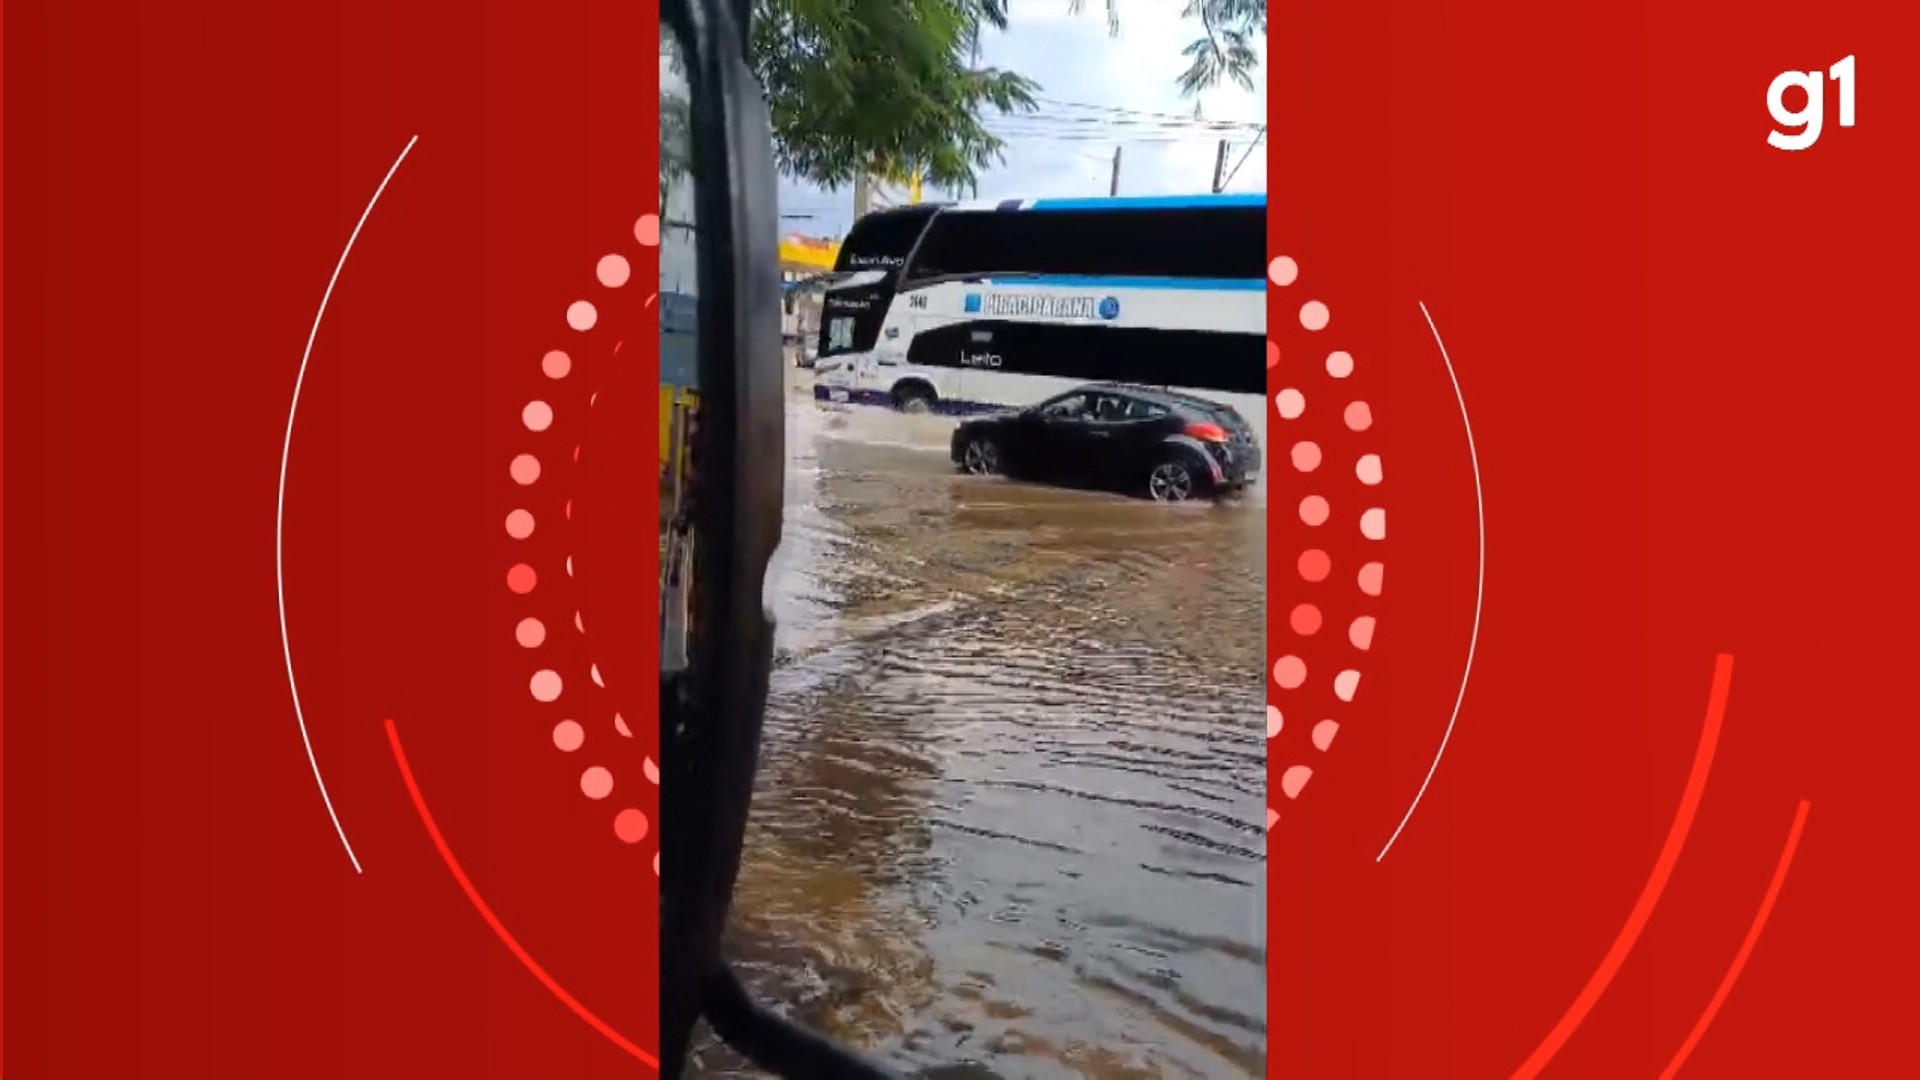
{"points": [[810, 253]]}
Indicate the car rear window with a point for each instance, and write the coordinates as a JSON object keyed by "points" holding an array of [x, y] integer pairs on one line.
{"points": [[1212, 412], [1193, 410]]}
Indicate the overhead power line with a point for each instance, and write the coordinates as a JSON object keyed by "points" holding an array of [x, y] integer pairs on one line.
{"points": [[1189, 124], [1120, 130], [1165, 139], [1117, 142], [1120, 111], [1118, 127]]}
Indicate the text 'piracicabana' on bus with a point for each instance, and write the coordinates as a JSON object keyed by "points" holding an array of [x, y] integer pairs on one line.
{"points": [[1046, 306]]}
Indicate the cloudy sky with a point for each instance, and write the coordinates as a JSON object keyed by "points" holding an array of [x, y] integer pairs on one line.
{"points": [[1098, 92]]}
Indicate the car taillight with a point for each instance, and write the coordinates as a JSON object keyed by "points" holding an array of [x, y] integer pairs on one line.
{"points": [[1207, 432]]}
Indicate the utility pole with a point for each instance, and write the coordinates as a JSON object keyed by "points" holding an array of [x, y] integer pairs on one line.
{"points": [[862, 194], [1114, 187], [1251, 147], [1220, 168]]}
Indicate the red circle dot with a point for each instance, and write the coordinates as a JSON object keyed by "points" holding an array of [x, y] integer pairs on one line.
{"points": [[521, 578], [1305, 620], [1315, 565], [630, 826]]}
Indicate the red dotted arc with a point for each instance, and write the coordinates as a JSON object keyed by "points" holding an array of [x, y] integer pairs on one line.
{"points": [[1314, 564], [630, 824]]}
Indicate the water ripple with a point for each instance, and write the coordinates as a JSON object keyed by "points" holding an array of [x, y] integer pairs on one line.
{"points": [[1010, 818]]}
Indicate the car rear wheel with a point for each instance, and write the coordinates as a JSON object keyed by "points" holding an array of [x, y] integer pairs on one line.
{"points": [[980, 457], [1172, 480]]}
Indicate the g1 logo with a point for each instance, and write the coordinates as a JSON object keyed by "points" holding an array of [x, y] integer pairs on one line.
{"points": [[1800, 128]]}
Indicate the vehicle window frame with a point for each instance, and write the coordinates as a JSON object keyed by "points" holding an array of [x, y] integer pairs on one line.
{"points": [[712, 714]]}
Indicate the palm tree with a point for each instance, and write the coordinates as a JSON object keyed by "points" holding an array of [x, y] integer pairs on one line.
{"points": [[1226, 48]]}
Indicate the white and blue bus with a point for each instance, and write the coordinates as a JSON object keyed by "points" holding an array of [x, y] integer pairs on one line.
{"points": [[1002, 305]]}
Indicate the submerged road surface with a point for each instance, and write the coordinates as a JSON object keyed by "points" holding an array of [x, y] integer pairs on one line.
{"points": [[1009, 821]]}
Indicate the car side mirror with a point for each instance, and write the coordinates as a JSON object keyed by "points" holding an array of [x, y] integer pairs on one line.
{"points": [[722, 496]]}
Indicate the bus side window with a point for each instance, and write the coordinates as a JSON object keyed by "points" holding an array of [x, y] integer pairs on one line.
{"points": [[1226, 242], [968, 243]]}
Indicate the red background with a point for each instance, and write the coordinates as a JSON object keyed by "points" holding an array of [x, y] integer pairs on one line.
{"points": [[181, 179], [1686, 358], [1681, 350]]}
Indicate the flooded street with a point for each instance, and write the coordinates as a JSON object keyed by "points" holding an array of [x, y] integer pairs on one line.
{"points": [[1010, 808]]}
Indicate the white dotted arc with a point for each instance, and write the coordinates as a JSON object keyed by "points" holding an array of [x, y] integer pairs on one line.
{"points": [[1289, 671]]}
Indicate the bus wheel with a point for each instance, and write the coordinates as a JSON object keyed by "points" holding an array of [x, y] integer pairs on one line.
{"points": [[980, 457], [1171, 481], [913, 398]]}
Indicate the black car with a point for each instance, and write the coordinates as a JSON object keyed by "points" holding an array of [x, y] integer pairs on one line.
{"points": [[1166, 445]]}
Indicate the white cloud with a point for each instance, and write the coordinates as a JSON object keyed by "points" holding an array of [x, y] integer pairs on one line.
{"points": [[1069, 151]]}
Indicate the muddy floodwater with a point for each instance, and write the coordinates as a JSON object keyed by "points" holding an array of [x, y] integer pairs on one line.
{"points": [[1009, 821]]}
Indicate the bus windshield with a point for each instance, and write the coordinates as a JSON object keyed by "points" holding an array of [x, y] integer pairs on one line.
{"points": [[851, 313]]}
